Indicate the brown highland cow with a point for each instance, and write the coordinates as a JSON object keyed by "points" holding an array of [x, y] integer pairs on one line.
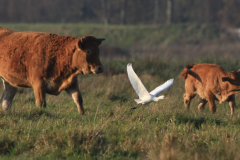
{"points": [[48, 63]]}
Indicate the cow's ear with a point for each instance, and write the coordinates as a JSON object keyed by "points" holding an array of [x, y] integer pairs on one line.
{"points": [[100, 40], [233, 75], [238, 70], [80, 44]]}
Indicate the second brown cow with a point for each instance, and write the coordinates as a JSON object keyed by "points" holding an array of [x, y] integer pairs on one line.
{"points": [[46, 62], [211, 82]]}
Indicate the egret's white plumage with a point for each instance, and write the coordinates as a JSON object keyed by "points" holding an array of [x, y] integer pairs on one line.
{"points": [[144, 95]]}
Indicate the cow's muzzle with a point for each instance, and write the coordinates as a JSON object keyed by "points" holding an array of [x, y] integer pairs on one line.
{"points": [[98, 69]]}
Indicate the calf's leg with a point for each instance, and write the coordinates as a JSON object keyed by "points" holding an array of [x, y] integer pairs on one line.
{"points": [[8, 95], [74, 92], [211, 101], [202, 104], [190, 93], [232, 103], [187, 99]]}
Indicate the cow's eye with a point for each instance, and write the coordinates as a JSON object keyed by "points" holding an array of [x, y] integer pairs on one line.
{"points": [[88, 52]]}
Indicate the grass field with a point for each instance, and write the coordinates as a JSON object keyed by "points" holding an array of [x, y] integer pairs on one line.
{"points": [[164, 130], [126, 36]]}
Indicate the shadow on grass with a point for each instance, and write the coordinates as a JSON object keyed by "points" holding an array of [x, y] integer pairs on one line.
{"points": [[120, 97], [196, 122], [6, 146], [9, 147], [34, 115]]}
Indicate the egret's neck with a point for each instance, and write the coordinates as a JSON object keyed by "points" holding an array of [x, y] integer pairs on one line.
{"points": [[158, 98]]}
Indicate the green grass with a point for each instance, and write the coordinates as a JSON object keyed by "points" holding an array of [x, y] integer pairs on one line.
{"points": [[162, 130], [129, 35]]}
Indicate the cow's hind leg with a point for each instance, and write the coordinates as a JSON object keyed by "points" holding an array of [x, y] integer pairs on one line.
{"points": [[202, 104], [232, 103], [190, 93], [74, 92], [39, 92], [8, 95], [187, 99]]}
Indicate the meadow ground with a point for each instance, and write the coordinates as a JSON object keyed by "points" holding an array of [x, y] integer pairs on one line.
{"points": [[162, 130]]}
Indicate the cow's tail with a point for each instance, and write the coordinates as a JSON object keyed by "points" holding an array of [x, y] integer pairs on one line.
{"points": [[186, 70]]}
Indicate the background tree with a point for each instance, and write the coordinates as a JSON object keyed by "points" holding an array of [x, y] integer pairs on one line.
{"points": [[169, 11], [156, 11], [230, 12], [102, 9], [122, 11]]}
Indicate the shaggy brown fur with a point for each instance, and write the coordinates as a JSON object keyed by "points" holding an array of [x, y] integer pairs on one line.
{"points": [[210, 82], [47, 62]]}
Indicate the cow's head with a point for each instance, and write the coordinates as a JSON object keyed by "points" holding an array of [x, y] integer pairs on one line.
{"points": [[86, 56], [233, 78]]}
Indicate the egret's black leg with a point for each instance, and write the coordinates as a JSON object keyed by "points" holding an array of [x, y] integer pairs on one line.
{"points": [[135, 106]]}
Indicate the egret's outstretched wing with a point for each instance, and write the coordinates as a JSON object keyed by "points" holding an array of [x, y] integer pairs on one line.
{"points": [[136, 82], [161, 88]]}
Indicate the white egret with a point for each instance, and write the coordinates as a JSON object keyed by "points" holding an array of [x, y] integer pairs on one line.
{"points": [[144, 96]]}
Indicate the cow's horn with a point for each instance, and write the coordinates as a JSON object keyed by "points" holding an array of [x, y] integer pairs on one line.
{"points": [[101, 39]]}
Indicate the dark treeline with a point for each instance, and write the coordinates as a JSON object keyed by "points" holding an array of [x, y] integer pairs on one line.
{"points": [[225, 12]]}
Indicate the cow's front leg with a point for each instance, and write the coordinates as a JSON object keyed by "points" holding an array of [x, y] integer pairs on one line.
{"points": [[74, 92], [232, 103], [39, 92], [8, 95]]}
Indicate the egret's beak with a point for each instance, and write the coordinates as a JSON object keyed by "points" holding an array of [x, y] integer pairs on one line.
{"points": [[167, 98]]}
